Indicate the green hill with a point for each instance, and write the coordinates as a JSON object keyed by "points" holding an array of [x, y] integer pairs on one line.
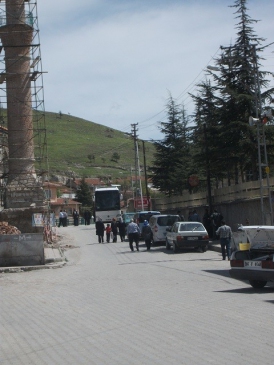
{"points": [[86, 149]]}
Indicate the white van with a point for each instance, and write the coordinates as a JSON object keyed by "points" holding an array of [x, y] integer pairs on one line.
{"points": [[159, 224]]}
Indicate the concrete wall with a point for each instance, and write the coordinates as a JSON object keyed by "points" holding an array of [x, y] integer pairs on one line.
{"points": [[238, 204], [21, 250]]}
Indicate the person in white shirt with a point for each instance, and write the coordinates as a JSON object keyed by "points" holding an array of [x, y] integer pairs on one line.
{"points": [[133, 233], [225, 234]]}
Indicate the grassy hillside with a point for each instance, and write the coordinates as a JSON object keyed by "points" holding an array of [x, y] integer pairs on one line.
{"points": [[71, 140]]}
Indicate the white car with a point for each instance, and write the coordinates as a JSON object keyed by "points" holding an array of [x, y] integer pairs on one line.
{"points": [[187, 235], [253, 260], [159, 224]]}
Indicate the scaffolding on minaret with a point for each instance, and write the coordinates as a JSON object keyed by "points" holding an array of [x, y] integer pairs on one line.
{"points": [[24, 160]]}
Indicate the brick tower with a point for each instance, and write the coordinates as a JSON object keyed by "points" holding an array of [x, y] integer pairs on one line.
{"points": [[23, 188]]}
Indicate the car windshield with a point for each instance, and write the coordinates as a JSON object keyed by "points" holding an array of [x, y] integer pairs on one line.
{"points": [[167, 221], [191, 227], [145, 216], [128, 216]]}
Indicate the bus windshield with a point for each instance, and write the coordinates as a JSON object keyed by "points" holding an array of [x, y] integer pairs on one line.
{"points": [[107, 200]]}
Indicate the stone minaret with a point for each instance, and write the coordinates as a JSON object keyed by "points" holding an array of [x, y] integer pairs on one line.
{"points": [[23, 189]]}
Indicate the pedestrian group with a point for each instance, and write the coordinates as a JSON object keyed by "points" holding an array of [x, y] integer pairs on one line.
{"points": [[214, 224]]}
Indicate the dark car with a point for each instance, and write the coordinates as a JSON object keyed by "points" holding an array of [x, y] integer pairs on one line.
{"points": [[143, 215], [127, 217]]}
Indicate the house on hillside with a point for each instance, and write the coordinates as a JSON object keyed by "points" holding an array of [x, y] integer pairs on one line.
{"points": [[93, 183], [60, 198]]}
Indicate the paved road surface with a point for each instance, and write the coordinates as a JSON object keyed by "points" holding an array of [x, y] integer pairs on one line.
{"points": [[115, 307]]}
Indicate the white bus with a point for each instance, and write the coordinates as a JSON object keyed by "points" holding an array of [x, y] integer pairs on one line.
{"points": [[107, 204]]}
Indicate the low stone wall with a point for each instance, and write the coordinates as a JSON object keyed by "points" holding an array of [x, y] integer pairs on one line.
{"points": [[21, 250]]}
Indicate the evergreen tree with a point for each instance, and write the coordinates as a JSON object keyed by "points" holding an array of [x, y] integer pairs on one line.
{"points": [[238, 83], [206, 134], [83, 194], [171, 159]]}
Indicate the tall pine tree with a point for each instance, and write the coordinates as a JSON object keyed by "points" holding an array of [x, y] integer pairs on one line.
{"points": [[171, 159], [237, 88]]}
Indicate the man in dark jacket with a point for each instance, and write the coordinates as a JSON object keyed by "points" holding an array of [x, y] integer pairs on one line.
{"points": [[114, 229], [100, 230], [122, 229]]}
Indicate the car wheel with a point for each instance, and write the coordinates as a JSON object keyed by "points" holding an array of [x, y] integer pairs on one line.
{"points": [[204, 248], [167, 245], [175, 249], [257, 284]]}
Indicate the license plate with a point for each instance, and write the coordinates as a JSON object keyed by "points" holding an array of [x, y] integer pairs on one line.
{"points": [[192, 238], [253, 264]]}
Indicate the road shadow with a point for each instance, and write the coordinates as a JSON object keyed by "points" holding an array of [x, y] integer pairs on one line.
{"points": [[222, 272], [249, 290]]}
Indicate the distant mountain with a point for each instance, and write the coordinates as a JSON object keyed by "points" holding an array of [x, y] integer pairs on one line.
{"points": [[81, 148]]}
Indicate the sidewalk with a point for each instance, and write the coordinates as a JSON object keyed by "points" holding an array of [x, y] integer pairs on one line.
{"points": [[215, 246], [54, 258]]}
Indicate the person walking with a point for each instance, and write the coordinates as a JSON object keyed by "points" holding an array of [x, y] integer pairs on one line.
{"points": [[87, 217], [225, 234], [65, 218], [182, 218], [147, 234], [189, 218], [61, 218], [122, 229], [195, 216], [207, 222], [108, 231], [114, 229], [217, 219], [133, 233], [100, 229], [75, 215]]}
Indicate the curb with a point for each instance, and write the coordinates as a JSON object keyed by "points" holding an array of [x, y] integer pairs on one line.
{"points": [[215, 246], [50, 263], [16, 269]]}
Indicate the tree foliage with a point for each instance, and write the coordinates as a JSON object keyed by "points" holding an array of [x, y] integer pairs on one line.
{"points": [[235, 96], [83, 194], [171, 159], [222, 140]]}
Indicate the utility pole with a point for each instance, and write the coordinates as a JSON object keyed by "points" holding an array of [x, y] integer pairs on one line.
{"points": [[208, 177], [145, 168], [137, 163], [261, 139]]}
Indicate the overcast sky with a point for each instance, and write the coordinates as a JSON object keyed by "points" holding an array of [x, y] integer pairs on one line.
{"points": [[114, 62]]}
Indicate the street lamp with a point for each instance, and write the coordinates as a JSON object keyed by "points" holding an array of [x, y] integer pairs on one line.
{"points": [[260, 121]]}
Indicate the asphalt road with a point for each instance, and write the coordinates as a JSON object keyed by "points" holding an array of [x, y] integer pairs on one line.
{"points": [[111, 306]]}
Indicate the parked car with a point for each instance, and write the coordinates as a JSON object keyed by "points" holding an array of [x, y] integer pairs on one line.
{"points": [[127, 217], [143, 215], [253, 260], [159, 223], [187, 235]]}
